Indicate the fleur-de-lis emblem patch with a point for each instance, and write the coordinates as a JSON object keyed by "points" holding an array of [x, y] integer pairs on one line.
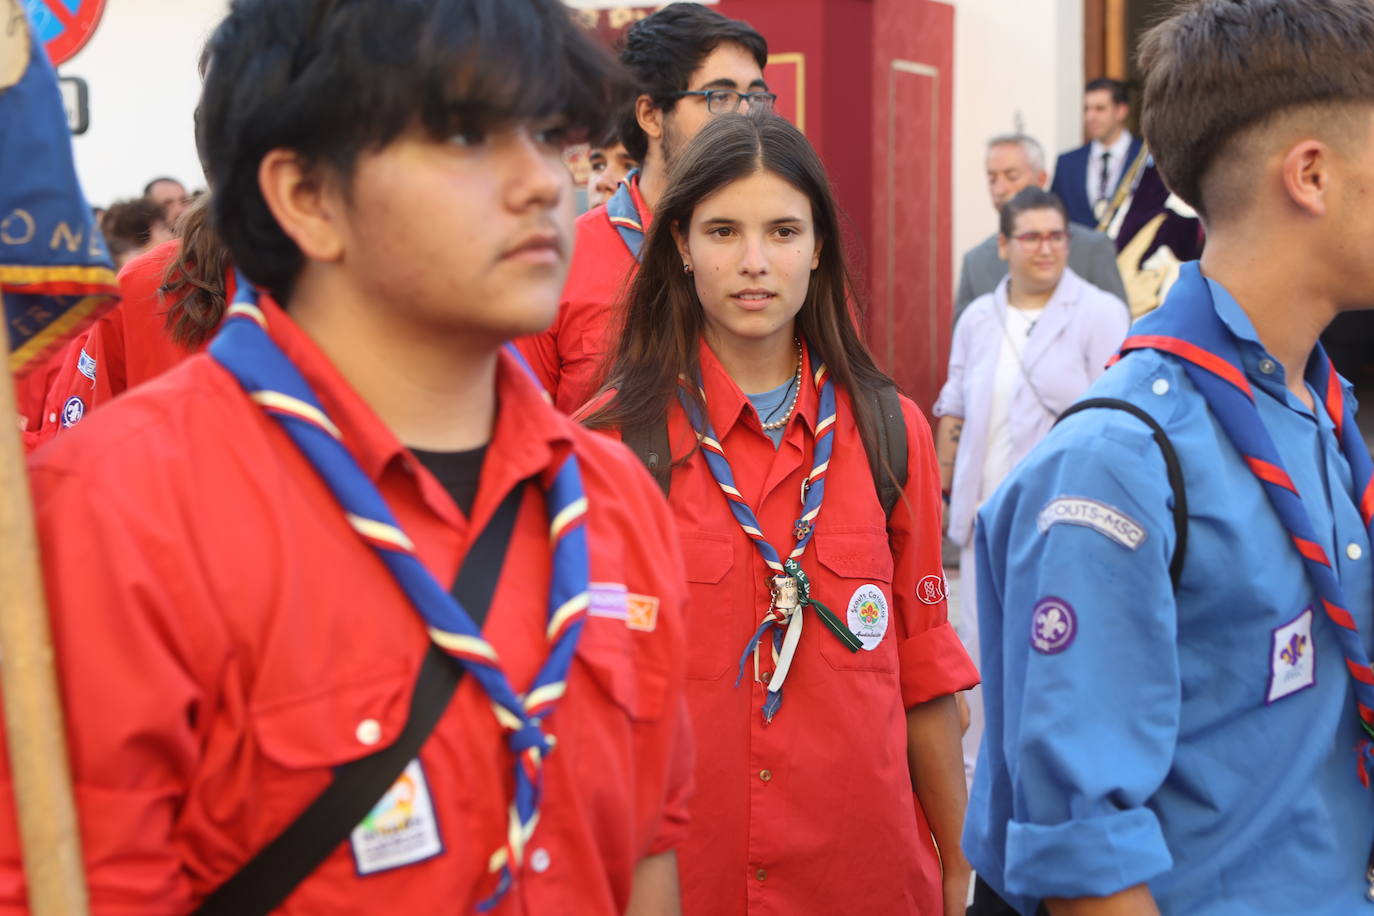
{"points": [[1053, 626]]}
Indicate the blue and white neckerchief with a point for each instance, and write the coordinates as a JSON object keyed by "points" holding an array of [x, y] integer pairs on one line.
{"points": [[624, 215], [790, 586]]}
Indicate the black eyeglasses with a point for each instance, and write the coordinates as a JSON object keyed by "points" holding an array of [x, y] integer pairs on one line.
{"points": [[726, 101]]}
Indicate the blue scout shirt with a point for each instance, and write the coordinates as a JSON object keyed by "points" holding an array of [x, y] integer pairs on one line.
{"points": [[1200, 740]]}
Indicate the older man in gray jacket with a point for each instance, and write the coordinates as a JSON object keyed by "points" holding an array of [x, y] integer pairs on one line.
{"points": [[1015, 161]]}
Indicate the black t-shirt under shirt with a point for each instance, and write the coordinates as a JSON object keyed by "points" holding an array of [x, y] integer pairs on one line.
{"points": [[457, 472]]}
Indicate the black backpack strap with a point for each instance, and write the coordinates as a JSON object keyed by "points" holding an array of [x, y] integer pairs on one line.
{"points": [[1171, 464], [650, 445], [892, 445], [271, 875]]}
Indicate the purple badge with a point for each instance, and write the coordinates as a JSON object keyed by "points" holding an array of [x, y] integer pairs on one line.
{"points": [[1053, 626]]}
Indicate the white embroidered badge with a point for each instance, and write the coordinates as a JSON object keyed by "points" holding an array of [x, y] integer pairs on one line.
{"points": [[401, 829], [1292, 658], [868, 615]]}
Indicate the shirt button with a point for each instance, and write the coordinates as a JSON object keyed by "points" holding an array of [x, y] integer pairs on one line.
{"points": [[761, 874], [1161, 386], [52, 418], [369, 732], [539, 860], [1267, 366], [766, 775], [1354, 551]]}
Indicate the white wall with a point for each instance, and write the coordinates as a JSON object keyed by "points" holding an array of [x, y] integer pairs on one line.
{"points": [[140, 67], [1018, 65]]}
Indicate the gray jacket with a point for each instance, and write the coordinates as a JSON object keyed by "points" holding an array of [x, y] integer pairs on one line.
{"points": [[1091, 255]]}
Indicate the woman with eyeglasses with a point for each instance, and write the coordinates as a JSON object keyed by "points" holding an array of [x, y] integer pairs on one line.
{"points": [[821, 667], [1021, 355]]}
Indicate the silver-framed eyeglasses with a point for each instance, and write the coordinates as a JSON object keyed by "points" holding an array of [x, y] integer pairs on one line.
{"points": [[726, 101]]}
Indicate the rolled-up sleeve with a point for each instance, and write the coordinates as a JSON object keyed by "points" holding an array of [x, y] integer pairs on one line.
{"points": [[1074, 556], [932, 659]]}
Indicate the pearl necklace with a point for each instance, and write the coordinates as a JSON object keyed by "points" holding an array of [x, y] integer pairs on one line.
{"points": [[796, 392]]}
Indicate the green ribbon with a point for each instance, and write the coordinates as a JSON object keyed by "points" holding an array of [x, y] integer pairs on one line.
{"points": [[846, 636]]}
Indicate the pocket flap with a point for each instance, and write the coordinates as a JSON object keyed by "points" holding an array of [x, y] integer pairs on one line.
{"points": [[855, 551], [334, 726], [708, 555], [623, 669]]}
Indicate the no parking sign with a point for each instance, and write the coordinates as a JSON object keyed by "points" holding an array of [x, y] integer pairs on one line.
{"points": [[64, 26]]}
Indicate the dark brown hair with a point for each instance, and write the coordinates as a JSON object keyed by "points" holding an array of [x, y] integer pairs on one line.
{"points": [[663, 319], [1219, 67], [1026, 199], [194, 282]]}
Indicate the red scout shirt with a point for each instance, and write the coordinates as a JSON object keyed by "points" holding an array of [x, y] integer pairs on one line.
{"points": [[810, 814], [224, 639], [568, 356], [129, 345]]}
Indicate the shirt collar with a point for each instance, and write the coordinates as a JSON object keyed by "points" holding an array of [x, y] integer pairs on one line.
{"points": [[727, 405], [1118, 149], [529, 432], [1253, 356]]}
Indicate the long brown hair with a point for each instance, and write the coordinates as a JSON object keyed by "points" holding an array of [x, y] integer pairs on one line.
{"points": [[662, 319], [194, 282]]}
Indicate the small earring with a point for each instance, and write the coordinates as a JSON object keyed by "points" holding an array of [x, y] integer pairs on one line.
{"points": [[686, 267]]}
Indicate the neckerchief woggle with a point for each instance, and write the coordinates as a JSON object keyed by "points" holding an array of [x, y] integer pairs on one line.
{"points": [[267, 375], [790, 598], [624, 215], [1188, 327]]}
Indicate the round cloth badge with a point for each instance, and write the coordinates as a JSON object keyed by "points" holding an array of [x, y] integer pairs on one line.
{"points": [[1053, 626], [73, 411], [932, 590], [868, 615]]}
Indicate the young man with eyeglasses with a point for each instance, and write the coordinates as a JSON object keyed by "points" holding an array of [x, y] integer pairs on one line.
{"points": [[689, 63]]}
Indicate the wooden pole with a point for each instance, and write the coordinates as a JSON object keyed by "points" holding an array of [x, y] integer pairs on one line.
{"points": [[1115, 40], [33, 712]]}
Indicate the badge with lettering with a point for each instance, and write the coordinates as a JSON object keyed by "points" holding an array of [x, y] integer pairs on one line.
{"points": [[1089, 513], [1292, 658], [401, 829], [868, 615], [1053, 626], [85, 364]]}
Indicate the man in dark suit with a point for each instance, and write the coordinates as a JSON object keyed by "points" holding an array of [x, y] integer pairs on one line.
{"points": [[1016, 161], [1087, 178]]}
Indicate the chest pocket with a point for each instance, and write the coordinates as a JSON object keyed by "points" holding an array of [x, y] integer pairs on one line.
{"points": [[623, 665], [711, 630], [854, 579]]}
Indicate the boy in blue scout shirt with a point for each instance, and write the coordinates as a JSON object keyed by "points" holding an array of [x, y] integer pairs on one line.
{"points": [[1203, 747]]}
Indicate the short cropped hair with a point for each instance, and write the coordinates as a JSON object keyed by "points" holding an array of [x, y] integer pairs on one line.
{"points": [[332, 79], [1217, 68], [1117, 88], [148, 188], [1029, 198], [663, 50], [1035, 153]]}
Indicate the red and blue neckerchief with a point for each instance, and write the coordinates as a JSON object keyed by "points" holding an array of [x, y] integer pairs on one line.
{"points": [[268, 376], [1188, 327], [624, 215], [784, 644]]}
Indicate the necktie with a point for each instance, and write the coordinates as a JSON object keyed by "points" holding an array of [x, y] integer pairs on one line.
{"points": [[792, 590], [244, 348], [1102, 189]]}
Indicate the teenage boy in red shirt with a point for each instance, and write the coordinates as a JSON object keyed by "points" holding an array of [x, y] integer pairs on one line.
{"points": [[688, 63], [248, 558]]}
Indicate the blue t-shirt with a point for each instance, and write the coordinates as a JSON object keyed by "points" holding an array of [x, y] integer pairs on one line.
{"points": [[1199, 739], [772, 406]]}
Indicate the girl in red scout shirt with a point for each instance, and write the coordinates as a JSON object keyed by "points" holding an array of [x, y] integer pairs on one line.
{"points": [[250, 559], [821, 669]]}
